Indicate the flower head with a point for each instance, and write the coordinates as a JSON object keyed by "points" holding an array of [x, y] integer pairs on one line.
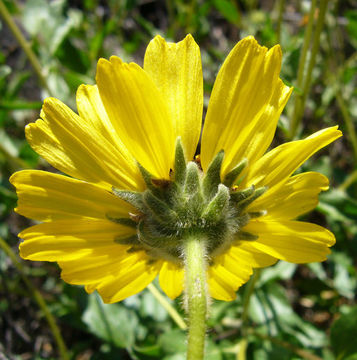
{"points": [[135, 190]]}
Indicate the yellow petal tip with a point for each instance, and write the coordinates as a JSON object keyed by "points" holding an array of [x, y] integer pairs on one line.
{"points": [[115, 60], [249, 38]]}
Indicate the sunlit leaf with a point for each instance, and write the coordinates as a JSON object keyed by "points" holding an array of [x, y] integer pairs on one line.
{"points": [[113, 323]]}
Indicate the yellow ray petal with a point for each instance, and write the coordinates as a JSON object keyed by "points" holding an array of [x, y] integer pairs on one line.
{"points": [[129, 280], [68, 239], [171, 279], [224, 280], [176, 70], [259, 133], [100, 267], [46, 196], [293, 241], [90, 288], [245, 105], [234, 268], [219, 286], [91, 109], [246, 254], [282, 161], [297, 196], [72, 145], [138, 113]]}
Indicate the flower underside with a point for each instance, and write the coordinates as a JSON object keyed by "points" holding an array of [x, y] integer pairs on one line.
{"points": [[134, 199], [190, 203]]}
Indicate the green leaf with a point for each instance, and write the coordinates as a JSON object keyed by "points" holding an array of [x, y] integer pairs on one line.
{"points": [[72, 57], [181, 356], [5, 70], [318, 270], [113, 323], [344, 274], [153, 350], [281, 271], [227, 10], [333, 213], [173, 342], [20, 105], [343, 335], [7, 144], [36, 17], [151, 307], [351, 16], [342, 201], [58, 85], [213, 352], [271, 309]]}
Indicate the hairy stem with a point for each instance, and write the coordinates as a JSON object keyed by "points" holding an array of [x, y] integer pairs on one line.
{"points": [[196, 298]]}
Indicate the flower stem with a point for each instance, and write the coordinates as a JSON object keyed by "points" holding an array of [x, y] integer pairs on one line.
{"points": [[196, 298], [39, 299], [281, 6], [246, 298], [296, 117], [167, 306], [24, 44], [348, 122], [351, 178], [249, 289], [314, 51]]}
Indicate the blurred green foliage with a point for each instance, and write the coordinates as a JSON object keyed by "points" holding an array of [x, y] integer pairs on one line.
{"points": [[295, 312]]}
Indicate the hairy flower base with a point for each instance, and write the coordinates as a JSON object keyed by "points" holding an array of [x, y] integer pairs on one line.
{"points": [[190, 204]]}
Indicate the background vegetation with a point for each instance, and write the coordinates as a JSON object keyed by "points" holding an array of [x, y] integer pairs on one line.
{"points": [[284, 312]]}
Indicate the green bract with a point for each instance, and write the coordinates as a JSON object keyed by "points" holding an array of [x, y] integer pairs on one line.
{"points": [[191, 203]]}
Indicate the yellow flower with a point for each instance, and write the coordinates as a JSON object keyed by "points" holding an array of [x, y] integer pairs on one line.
{"points": [[114, 225]]}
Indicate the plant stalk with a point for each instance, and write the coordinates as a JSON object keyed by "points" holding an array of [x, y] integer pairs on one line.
{"points": [[296, 116], [246, 302], [247, 296], [314, 50], [24, 44], [301, 352], [196, 297], [351, 178], [167, 306], [348, 122], [39, 299], [281, 7]]}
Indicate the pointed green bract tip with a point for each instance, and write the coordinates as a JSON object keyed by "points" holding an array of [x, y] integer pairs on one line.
{"points": [[192, 203]]}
